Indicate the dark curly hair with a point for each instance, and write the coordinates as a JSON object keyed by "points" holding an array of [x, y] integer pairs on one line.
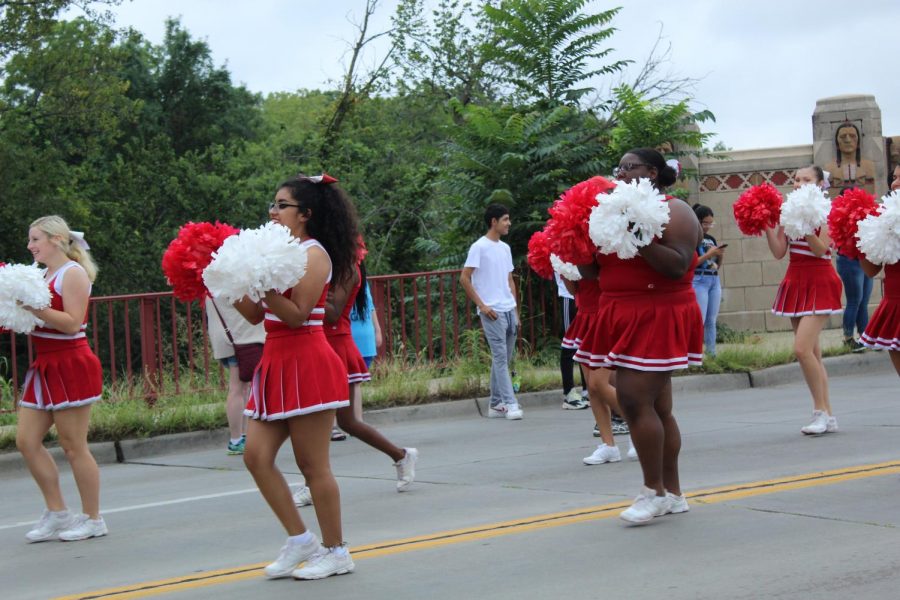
{"points": [[332, 221]]}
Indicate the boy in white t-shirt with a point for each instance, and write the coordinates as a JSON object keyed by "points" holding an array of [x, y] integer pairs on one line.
{"points": [[487, 279]]}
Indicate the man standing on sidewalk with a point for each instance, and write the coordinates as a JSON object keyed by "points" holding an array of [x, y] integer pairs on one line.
{"points": [[488, 281]]}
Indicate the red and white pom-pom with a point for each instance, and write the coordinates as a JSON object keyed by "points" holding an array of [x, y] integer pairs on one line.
{"points": [[628, 218], [804, 211], [539, 254], [758, 208], [847, 210], [879, 234], [189, 253], [22, 285], [254, 262], [569, 219], [565, 269]]}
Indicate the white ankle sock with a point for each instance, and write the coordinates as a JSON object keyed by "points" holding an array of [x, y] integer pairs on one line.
{"points": [[297, 540]]}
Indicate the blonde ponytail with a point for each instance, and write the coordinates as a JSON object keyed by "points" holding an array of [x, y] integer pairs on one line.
{"points": [[57, 230]]}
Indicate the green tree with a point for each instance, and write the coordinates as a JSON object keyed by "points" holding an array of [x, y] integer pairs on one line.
{"points": [[550, 47]]}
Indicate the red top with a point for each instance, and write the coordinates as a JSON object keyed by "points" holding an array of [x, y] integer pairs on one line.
{"points": [[316, 315], [587, 298], [801, 254], [56, 303], [627, 277], [892, 281], [342, 325]]}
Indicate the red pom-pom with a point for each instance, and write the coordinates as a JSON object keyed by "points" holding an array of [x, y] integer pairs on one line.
{"points": [[758, 208], [190, 253], [847, 210], [569, 220], [539, 254]]}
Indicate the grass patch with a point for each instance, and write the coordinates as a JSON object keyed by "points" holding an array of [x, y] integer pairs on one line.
{"points": [[123, 413]]}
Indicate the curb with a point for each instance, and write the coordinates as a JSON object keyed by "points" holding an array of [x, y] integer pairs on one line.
{"points": [[133, 450]]}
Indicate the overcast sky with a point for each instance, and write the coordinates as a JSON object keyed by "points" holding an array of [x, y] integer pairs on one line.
{"points": [[762, 64]]}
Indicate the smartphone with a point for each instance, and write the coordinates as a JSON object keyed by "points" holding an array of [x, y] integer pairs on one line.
{"points": [[722, 246]]}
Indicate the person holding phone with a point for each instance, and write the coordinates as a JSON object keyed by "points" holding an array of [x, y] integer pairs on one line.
{"points": [[706, 281]]}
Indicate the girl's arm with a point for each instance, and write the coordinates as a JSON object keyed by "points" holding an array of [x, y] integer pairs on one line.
{"points": [[337, 298], [673, 254], [869, 268], [818, 244], [76, 293], [251, 311], [294, 311], [778, 243]]}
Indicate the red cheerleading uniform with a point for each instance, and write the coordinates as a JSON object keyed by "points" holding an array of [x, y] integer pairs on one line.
{"points": [[883, 330], [298, 373], [341, 339], [811, 286], [645, 321], [65, 372], [587, 299]]}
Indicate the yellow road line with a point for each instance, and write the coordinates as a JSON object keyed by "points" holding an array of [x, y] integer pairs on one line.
{"points": [[457, 536]]}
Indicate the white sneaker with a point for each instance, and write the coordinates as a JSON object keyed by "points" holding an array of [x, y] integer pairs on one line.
{"points": [[406, 469], [326, 562], [49, 526], [603, 454], [498, 412], [290, 556], [646, 506], [84, 528], [677, 504], [818, 425], [632, 451], [302, 497], [514, 412], [831, 426]]}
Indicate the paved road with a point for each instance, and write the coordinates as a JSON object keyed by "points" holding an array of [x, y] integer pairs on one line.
{"points": [[507, 510]]}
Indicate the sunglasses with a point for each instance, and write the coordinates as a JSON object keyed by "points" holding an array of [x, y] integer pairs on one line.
{"points": [[627, 167], [282, 205]]}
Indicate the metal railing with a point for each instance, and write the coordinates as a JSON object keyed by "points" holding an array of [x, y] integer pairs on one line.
{"points": [[160, 344]]}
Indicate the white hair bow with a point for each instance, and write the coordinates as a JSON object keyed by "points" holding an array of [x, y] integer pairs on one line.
{"points": [[78, 238]]}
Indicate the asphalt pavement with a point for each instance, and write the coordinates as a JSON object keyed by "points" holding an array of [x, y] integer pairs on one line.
{"points": [[506, 509]]}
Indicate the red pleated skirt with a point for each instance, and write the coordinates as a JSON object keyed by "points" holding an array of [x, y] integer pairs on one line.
{"points": [[298, 374], [578, 328], [64, 374], [645, 332], [883, 330], [344, 346], [809, 288]]}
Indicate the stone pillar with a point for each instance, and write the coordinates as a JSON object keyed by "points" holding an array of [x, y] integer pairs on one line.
{"points": [[862, 112]]}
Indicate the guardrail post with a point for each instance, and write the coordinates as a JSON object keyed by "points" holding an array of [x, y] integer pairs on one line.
{"points": [[149, 358]]}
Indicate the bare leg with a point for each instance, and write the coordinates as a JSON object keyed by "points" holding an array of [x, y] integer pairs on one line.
{"points": [[672, 444], [356, 402], [895, 359], [638, 393], [234, 403], [602, 396], [346, 420], [32, 426], [72, 427], [806, 348], [310, 437], [264, 438]]}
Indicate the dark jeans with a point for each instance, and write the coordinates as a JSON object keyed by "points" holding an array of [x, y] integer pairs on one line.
{"points": [[566, 355], [857, 289]]}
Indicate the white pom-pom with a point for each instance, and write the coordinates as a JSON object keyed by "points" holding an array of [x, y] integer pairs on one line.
{"points": [[628, 218], [22, 285], [804, 210], [254, 262], [565, 269], [879, 234]]}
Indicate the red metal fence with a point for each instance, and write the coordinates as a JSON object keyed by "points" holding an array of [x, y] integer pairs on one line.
{"points": [[160, 344]]}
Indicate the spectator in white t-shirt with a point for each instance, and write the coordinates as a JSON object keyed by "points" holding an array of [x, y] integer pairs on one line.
{"points": [[487, 279]]}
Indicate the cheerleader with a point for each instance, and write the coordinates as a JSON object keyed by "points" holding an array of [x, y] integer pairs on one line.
{"points": [[808, 294], [61, 384], [647, 325], [338, 305], [883, 330], [600, 381], [300, 381]]}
